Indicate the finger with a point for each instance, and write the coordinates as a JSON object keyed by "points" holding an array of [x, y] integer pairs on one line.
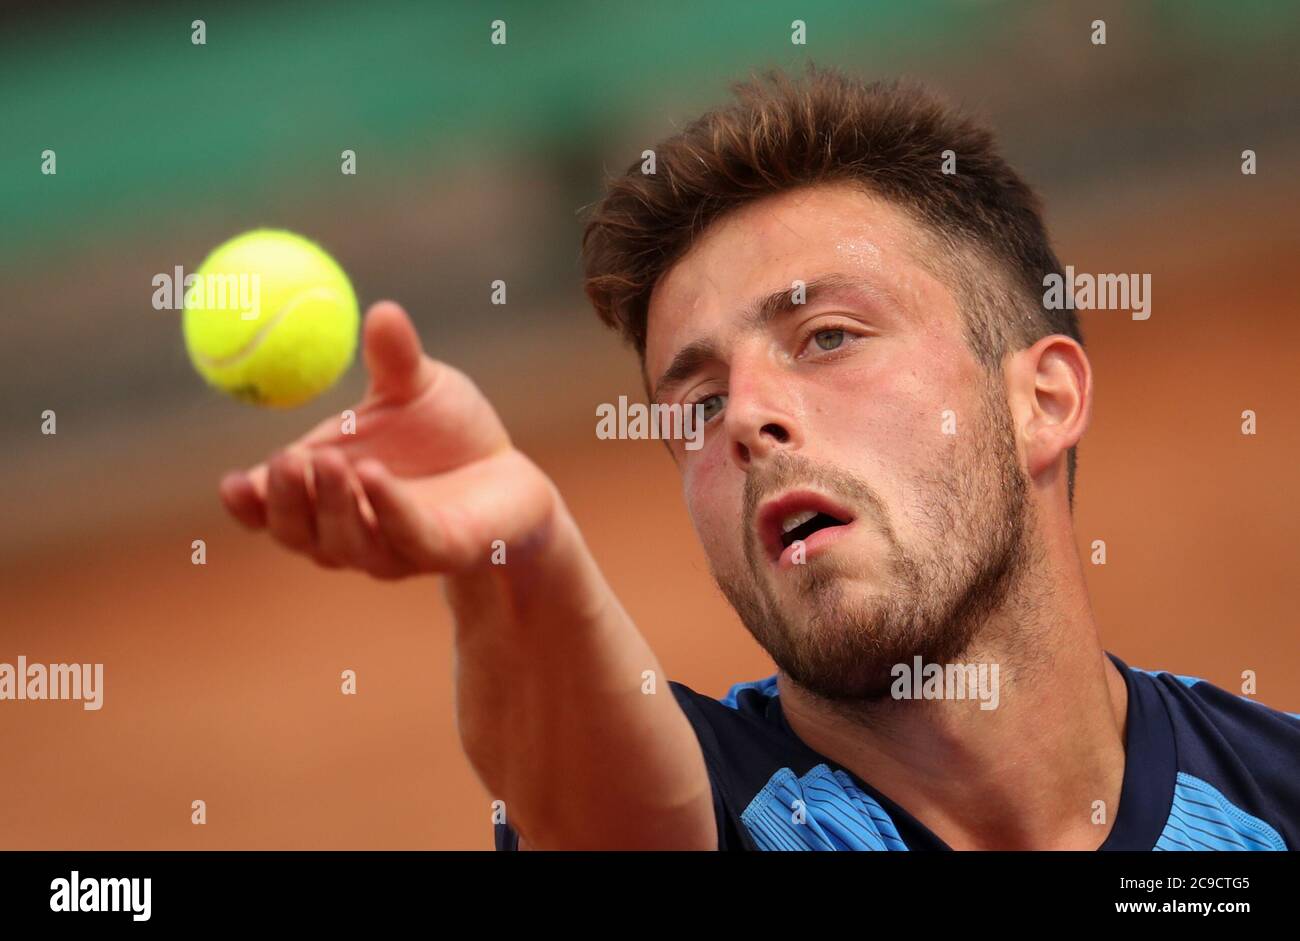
{"points": [[407, 527], [343, 535], [398, 369], [257, 477], [451, 522], [289, 515], [242, 499]]}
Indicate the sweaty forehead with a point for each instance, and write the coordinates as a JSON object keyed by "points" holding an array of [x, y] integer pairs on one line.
{"points": [[766, 246]]}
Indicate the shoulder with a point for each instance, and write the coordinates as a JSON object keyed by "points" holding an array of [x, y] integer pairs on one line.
{"points": [[1233, 752], [745, 743], [1249, 726], [748, 699], [744, 725]]}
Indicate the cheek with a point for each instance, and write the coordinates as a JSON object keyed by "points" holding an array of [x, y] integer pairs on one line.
{"points": [[886, 420], [714, 494]]}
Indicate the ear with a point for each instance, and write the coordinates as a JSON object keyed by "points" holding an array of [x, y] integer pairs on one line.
{"points": [[1050, 394]]}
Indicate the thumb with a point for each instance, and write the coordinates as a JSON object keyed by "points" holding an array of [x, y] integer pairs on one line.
{"points": [[396, 362]]}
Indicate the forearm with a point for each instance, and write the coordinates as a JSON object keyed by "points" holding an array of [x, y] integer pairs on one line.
{"points": [[549, 667], [551, 678]]}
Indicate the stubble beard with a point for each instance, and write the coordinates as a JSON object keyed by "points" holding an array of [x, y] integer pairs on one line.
{"points": [[839, 638]]}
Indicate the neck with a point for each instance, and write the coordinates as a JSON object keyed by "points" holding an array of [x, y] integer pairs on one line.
{"points": [[1025, 775]]}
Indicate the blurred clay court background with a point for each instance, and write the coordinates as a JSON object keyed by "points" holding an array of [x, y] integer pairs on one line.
{"points": [[222, 681]]}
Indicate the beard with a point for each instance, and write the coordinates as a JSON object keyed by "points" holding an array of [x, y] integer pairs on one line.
{"points": [[931, 599]]}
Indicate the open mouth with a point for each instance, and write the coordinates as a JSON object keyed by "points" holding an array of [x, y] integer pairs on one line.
{"points": [[805, 517], [799, 526]]}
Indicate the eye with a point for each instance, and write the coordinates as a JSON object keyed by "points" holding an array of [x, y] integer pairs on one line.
{"points": [[829, 339], [712, 404]]}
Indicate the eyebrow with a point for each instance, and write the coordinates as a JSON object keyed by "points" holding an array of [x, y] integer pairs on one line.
{"points": [[697, 353]]}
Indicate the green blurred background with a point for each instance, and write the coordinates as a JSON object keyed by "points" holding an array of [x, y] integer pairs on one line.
{"points": [[474, 163]]}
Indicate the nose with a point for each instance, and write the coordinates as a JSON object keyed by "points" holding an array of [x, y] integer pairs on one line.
{"points": [[760, 417]]}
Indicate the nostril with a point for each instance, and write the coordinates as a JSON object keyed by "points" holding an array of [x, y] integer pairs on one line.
{"points": [[777, 432], [742, 452]]}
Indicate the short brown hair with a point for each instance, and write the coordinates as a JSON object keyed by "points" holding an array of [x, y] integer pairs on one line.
{"points": [[889, 138]]}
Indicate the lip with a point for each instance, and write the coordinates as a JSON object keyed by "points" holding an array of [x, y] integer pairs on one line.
{"points": [[775, 510]]}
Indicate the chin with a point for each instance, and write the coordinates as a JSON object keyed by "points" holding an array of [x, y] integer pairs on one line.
{"points": [[840, 580], [860, 679], [842, 638]]}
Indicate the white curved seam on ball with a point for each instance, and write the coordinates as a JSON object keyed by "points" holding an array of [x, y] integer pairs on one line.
{"points": [[255, 341]]}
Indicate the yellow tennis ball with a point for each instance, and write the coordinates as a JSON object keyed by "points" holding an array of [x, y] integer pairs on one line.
{"points": [[271, 319]]}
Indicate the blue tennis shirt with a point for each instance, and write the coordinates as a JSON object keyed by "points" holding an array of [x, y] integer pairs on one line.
{"points": [[1204, 770]]}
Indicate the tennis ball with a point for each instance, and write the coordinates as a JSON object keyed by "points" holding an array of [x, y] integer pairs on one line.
{"points": [[271, 319]]}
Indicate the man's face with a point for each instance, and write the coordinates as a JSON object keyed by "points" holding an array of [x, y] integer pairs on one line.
{"points": [[863, 405]]}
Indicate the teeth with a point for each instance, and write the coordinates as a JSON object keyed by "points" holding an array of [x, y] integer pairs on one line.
{"points": [[795, 520]]}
